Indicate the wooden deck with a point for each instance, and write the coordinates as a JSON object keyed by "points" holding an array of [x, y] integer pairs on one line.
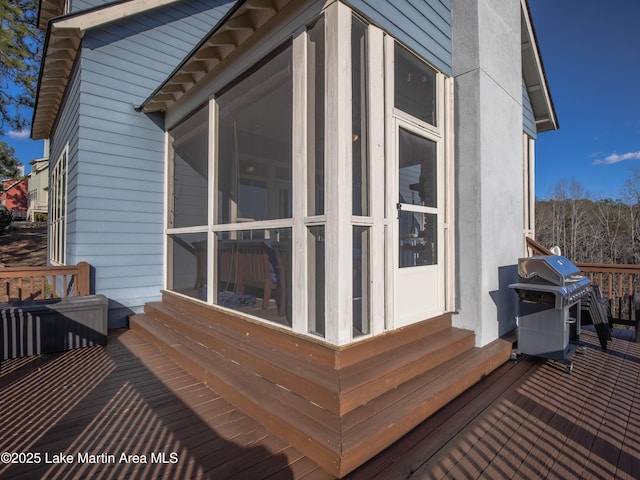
{"points": [[340, 406], [528, 419]]}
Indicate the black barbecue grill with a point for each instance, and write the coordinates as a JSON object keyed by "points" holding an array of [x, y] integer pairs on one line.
{"points": [[550, 290]]}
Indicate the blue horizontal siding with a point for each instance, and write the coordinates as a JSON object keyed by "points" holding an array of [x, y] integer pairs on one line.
{"points": [[110, 144], [66, 133], [132, 295], [138, 209], [151, 44], [422, 25], [127, 250], [122, 153], [119, 192], [80, 5], [92, 187], [108, 172], [135, 81]]}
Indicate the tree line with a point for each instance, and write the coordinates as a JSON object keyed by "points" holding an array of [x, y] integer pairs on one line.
{"points": [[591, 230]]}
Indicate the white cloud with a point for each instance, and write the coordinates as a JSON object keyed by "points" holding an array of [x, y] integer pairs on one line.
{"points": [[20, 134], [615, 158]]}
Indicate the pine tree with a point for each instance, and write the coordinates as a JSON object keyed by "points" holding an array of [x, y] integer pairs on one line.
{"points": [[8, 162], [20, 53]]}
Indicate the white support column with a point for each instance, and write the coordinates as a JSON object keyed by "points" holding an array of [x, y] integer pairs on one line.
{"points": [[449, 210], [212, 248], [532, 182], [338, 128], [168, 188], [299, 268], [390, 182], [376, 148]]}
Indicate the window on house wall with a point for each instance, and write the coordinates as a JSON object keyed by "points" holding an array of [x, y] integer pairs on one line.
{"points": [[417, 179], [359, 157], [414, 86], [188, 166], [315, 220], [33, 198], [58, 210], [316, 280], [360, 180], [254, 144], [315, 117], [254, 190], [187, 211], [529, 185], [188, 256], [415, 101]]}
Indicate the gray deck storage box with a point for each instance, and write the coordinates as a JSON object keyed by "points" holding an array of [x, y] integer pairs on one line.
{"points": [[47, 326]]}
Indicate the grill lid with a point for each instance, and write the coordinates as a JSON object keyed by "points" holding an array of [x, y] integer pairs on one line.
{"points": [[552, 269]]}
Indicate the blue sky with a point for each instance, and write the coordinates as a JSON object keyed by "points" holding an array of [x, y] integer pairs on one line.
{"points": [[591, 53]]}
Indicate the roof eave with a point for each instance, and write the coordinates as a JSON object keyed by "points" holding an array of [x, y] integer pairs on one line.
{"points": [[240, 23], [535, 78], [60, 50], [48, 10], [61, 47]]}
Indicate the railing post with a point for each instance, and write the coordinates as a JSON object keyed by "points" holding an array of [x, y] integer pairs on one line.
{"points": [[83, 279]]}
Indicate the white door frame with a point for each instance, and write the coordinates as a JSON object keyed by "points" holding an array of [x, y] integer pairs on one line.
{"points": [[419, 292]]}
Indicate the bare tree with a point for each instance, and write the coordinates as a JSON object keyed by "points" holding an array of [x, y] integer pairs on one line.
{"points": [[577, 216], [588, 230]]}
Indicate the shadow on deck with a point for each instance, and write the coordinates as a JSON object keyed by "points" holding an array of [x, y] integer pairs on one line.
{"points": [[97, 403], [528, 419]]}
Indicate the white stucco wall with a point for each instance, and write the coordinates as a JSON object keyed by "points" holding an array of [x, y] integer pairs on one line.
{"points": [[489, 177]]}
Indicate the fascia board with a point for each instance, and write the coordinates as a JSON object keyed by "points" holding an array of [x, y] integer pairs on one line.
{"points": [[534, 75], [108, 13]]}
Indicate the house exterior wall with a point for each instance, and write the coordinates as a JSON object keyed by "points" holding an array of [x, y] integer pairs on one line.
{"points": [[424, 26], [489, 178], [16, 195], [116, 155], [38, 188], [80, 5], [65, 138]]}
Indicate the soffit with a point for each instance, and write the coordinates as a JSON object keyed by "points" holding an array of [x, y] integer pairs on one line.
{"points": [[238, 26], [62, 43], [534, 76], [49, 9]]}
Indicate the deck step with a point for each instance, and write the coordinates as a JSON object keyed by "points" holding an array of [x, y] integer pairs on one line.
{"points": [[336, 389], [288, 416], [368, 428], [339, 406]]}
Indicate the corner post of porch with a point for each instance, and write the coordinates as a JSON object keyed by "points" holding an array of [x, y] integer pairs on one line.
{"points": [[338, 137]]}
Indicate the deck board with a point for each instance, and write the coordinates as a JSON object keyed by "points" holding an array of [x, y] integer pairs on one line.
{"points": [[528, 419], [129, 398]]}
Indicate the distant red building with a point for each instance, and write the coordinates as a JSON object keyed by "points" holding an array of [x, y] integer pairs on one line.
{"points": [[15, 196]]}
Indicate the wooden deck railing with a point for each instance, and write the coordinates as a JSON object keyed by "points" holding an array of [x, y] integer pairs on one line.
{"points": [[34, 283], [618, 283]]}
